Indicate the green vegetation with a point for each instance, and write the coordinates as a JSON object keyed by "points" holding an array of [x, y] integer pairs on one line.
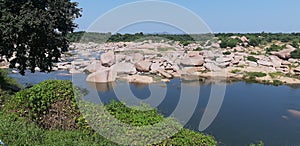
{"points": [[5, 81], [275, 48], [276, 74], [251, 76], [199, 49], [165, 49], [236, 71], [22, 118], [226, 53], [36, 30], [251, 58], [296, 54], [229, 42], [277, 82], [260, 143]]}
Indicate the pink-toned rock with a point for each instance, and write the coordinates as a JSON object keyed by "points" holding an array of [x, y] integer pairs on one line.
{"points": [[94, 67], [102, 76], [285, 53], [192, 61], [140, 79], [137, 57], [124, 68], [108, 58], [143, 66], [164, 74], [265, 63]]}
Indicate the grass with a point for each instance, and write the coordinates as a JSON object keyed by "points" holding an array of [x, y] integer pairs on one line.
{"points": [[251, 58], [276, 75], [235, 71], [165, 49]]}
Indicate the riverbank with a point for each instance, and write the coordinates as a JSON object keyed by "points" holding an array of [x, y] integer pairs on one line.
{"points": [[149, 62]]}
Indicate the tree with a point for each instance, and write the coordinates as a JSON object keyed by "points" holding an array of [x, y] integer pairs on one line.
{"points": [[33, 32]]}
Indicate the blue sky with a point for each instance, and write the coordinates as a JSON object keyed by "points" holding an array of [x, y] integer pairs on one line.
{"points": [[220, 15]]}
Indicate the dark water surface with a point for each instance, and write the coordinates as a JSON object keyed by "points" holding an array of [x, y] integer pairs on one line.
{"points": [[249, 113]]}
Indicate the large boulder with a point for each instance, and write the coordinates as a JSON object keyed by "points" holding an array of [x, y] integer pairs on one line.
{"points": [[164, 74], [265, 63], [211, 67], [143, 66], [94, 67], [275, 60], [156, 66], [108, 59], [140, 79], [224, 59], [137, 57], [285, 53], [124, 68], [195, 61], [102, 76]]}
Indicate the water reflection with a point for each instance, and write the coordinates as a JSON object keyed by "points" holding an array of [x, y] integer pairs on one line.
{"points": [[102, 87]]}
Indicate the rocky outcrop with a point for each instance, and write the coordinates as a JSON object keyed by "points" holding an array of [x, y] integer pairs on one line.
{"points": [[108, 59], [195, 61], [94, 67], [102, 76], [143, 66], [140, 79], [285, 53], [124, 68], [211, 67]]}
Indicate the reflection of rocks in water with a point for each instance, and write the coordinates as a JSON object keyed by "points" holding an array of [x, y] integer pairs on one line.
{"points": [[294, 86], [140, 85], [103, 87]]}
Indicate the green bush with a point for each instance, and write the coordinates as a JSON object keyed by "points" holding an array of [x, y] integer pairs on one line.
{"points": [[251, 76], [198, 49], [5, 80], [296, 54], [35, 101], [229, 42], [251, 58], [275, 48], [226, 53]]}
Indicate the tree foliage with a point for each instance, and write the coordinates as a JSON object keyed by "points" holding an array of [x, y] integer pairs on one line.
{"points": [[33, 32]]}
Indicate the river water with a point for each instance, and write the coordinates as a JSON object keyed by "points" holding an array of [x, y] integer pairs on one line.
{"points": [[249, 113]]}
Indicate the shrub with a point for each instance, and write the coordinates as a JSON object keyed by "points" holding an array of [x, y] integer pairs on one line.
{"points": [[226, 53], [47, 102], [277, 82], [229, 42], [235, 71], [198, 49], [251, 58], [274, 47], [296, 54]]}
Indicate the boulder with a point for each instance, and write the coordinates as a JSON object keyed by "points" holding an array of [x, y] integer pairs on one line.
{"points": [[120, 58], [143, 66], [291, 60], [211, 67], [155, 66], [251, 63], [164, 74], [140, 79], [102, 76], [108, 59], [124, 68], [137, 57], [192, 61], [224, 64], [275, 60], [223, 59], [286, 62], [265, 63], [285, 53], [94, 67]]}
